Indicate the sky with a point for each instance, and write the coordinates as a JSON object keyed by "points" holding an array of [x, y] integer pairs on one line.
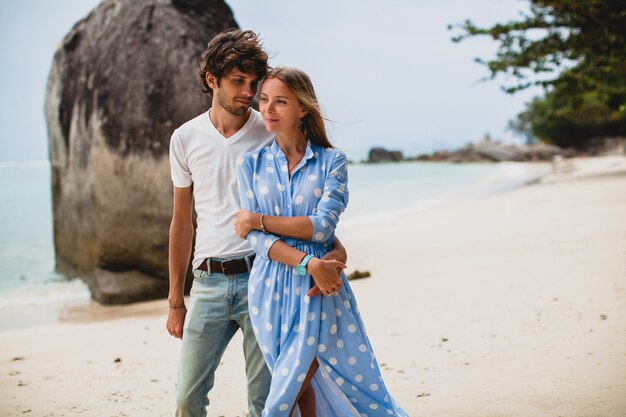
{"points": [[386, 73]]}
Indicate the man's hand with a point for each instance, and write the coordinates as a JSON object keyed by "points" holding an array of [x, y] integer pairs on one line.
{"points": [[175, 321], [314, 291], [338, 253], [246, 221]]}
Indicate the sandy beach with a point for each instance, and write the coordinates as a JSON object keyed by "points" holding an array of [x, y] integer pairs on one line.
{"points": [[512, 305]]}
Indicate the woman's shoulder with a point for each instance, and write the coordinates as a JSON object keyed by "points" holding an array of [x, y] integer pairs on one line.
{"points": [[253, 156], [328, 154]]}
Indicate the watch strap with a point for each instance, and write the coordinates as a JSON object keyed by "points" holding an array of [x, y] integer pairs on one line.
{"points": [[303, 263]]}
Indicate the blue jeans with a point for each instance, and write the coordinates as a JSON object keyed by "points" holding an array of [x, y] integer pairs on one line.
{"points": [[217, 308]]}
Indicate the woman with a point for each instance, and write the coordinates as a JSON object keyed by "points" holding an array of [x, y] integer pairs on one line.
{"points": [[315, 346]]}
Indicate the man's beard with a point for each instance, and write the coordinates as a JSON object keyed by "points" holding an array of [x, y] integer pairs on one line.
{"points": [[230, 108]]}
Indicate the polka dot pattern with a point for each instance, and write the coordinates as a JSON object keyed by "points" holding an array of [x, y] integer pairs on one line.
{"points": [[293, 329]]}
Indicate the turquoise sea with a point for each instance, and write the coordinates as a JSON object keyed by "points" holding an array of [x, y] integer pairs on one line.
{"points": [[380, 191]]}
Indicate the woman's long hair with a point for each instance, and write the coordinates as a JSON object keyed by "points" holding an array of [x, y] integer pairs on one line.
{"points": [[300, 84]]}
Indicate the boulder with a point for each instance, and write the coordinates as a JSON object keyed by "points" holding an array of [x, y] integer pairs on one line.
{"points": [[121, 81], [542, 152], [440, 156], [498, 152], [467, 154], [383, 155], [608, 145]]}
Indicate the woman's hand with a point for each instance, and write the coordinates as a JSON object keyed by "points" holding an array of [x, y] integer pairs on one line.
{"points": [[246, 221], [327, 276]]}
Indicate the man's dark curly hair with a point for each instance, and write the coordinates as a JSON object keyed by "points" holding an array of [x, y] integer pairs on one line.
{"points": [[229, 49]]}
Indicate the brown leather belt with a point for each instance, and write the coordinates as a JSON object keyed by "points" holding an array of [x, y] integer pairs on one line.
{"points": [[227, 267]]}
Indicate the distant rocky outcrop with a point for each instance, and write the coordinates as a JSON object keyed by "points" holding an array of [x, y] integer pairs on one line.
{"points": [[383, 155], [487, 151], [484, 151], [122, 79]]}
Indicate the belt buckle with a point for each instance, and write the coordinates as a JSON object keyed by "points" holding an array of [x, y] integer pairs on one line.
{"points": [[224, 265]]}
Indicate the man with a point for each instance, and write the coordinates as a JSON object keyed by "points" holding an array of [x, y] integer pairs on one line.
{"points": [[203, 155]]}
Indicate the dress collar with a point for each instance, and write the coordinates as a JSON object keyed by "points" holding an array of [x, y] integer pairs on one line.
{"points": [[308, 153]]}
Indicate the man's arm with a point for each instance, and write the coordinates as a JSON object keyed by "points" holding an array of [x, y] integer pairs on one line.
{"points": [[338, 252], [181, 237]]}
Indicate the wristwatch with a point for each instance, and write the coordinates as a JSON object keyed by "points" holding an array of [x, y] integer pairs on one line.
{"points": [[303, 263]]}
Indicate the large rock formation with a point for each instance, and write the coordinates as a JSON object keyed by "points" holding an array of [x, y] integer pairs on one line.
{"points": [[121, 81]]}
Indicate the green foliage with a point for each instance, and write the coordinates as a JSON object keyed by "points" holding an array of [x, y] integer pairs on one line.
{"points": [[552, 119], [575, 50]]}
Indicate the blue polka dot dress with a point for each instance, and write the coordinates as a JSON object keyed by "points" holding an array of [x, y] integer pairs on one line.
{"points": [[292, 328]]}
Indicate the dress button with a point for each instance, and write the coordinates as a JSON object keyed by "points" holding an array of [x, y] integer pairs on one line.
{"points": [[288, 205]]}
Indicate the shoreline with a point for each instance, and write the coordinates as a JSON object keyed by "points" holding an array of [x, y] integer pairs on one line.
{"points": [[40, 302], [513, 304], [75, 304], [510, 176]]}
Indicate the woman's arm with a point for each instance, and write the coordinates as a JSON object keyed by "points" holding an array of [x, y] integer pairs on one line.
{"points": [[325, 272], [317, 227], [299, 227]]}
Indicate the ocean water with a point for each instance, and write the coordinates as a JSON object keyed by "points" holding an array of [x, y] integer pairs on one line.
{"points": [[387, 190], [379, 191], [27, 274]]}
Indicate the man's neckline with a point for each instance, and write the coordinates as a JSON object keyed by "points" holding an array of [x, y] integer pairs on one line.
{"points": [[235, 135]]}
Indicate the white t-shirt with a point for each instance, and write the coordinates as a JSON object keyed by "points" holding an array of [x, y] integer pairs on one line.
{"points": [[202, 157]]}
